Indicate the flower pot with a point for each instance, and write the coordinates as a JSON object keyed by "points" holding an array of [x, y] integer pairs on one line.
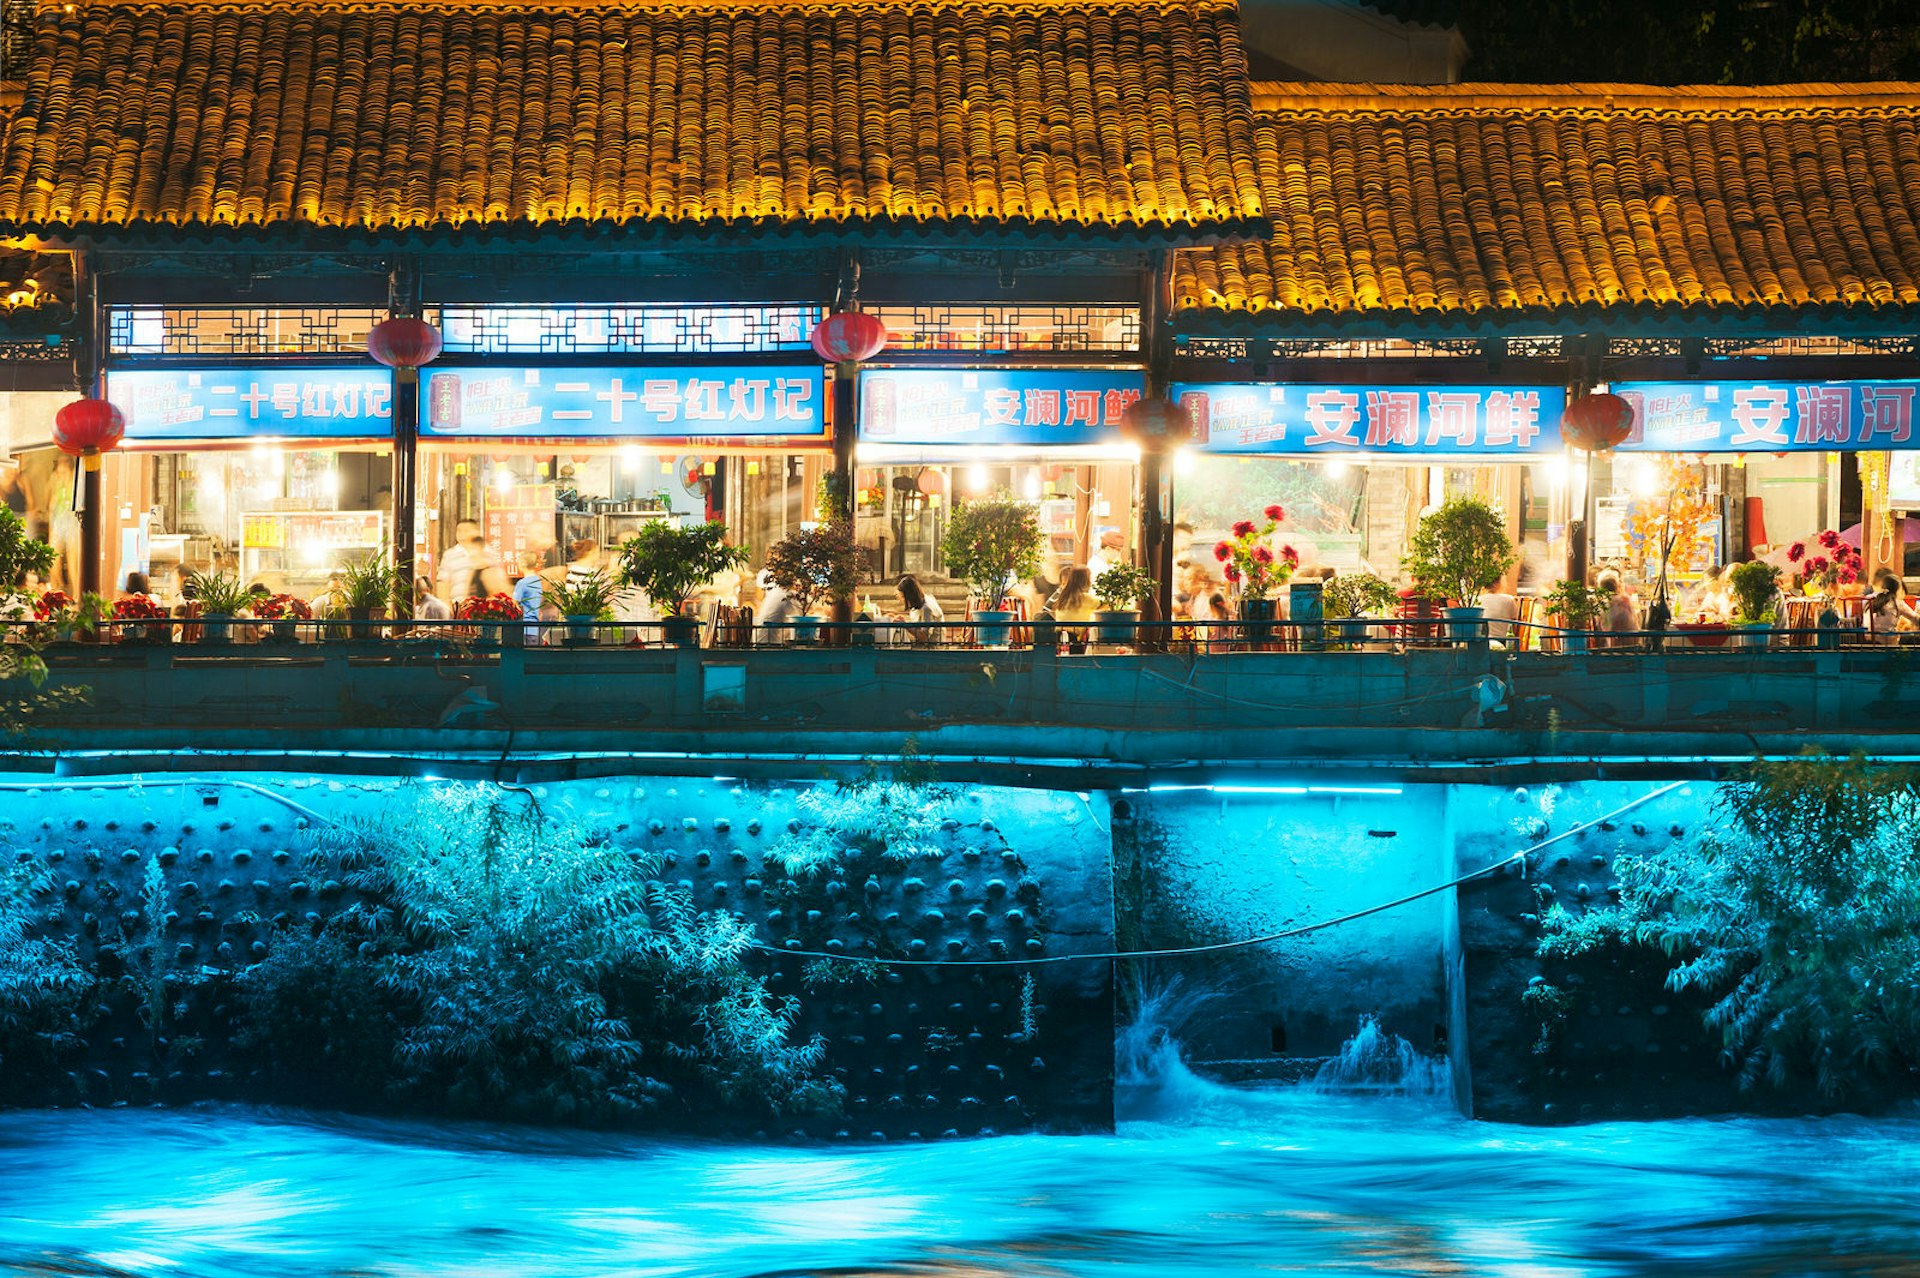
{"points": [[1751, 634], [992, 626], [1115, 625], [284, 631], [1351, 631], [216, 629], [1466, 625], [1573, 641], [680, 631], [1256, 619], [579, 630], [806, 628]]}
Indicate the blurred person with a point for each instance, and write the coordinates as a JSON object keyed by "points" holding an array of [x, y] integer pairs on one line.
{"points": [[470, 567]]}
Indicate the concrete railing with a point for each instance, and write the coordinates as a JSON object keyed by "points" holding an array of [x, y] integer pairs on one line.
{"points": [[1425, 704]]}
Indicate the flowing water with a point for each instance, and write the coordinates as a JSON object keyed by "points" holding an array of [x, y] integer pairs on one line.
{"points": [[1204, 1180]]}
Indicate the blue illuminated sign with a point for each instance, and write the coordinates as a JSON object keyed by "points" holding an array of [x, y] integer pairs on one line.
{"points": [[995, 406], [1412, 421], [716, 403], [1769, 417], [237, 403]]}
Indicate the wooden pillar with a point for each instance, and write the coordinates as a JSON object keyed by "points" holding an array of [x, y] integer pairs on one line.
{"points": [[404, 297], [846, 438], [1156, 465]]}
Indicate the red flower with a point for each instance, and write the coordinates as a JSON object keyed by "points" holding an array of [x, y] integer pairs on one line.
{"points": [[1276, 513], [1291, 555], [1261, 555], [283, 608], [1223, 551], [1233, 573], [138, 608], [1244, 528], [1816, 566], [51, 602], [1848, 576], [1829, 538], [1796, 552]]}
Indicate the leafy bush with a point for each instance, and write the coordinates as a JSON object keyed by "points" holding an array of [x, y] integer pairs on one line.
{"points": [[1798, 914], [668, 561], [1359, 594], [527, 968], [816, 563], [41, 981], [590, 596], [1754, 585], [220, 595], [992, 543], [894, 812], [1459, 549], [1121, 587]]}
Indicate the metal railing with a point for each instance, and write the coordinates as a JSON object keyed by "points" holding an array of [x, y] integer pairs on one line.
{"points": [[213, 636]]}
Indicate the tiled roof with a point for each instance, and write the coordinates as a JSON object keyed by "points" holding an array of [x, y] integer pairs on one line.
{"points": [[947, 115], [1464, 205]]}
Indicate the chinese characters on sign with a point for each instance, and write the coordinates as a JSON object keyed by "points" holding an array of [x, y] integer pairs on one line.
{"points": [[983, 406], [639, 403], [1408, 420], [237, 403], [1769, 417]]}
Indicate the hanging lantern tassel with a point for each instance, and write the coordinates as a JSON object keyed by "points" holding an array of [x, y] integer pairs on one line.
{"points": [[1874, 479]]}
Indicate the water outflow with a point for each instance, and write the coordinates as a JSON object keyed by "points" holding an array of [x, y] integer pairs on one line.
{"points": [[1377, 1061]]}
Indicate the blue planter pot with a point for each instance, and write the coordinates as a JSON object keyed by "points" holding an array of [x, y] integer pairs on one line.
{"points": [[1256, 619], [991, 627], [806, 629], [1115, 625], [1466, 625]]}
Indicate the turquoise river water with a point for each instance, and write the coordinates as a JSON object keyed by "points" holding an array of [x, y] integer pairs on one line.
{"points": [[1200, 1181]]}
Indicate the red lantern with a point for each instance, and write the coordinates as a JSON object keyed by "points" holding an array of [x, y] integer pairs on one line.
{"points": [[849, 336], [404, 343], [86, 428], [1595, 423], [1156, 424], [929, 482]]}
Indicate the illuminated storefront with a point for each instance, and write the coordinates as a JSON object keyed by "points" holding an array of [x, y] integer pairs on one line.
{"points": [[933, 436], [1354, 466], [276, 474], [548, 457]]}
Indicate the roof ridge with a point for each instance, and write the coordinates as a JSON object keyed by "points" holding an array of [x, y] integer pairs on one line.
{"points": [[624, 6], [1281, 96]]}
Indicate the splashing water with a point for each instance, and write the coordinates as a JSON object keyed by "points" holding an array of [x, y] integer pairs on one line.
{"points": [[1200, 1181], [1379, 1061]]}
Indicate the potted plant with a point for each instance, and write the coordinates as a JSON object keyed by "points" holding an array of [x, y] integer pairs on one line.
{"points": [[1823, 563], [141, 614], [668, 561], [1459, 550], [284, 611], [1120, 590], [583, 602], [990, 544], [812, 564], [1351, 596], [221, 598], [1579, 608], [1256, 570], [1755, 585], [19, 554], [491, 608], [370, 588]]}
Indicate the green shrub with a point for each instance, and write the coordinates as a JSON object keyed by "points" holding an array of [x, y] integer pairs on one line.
{"points": [[992, 542], [41, 981], [1798, 915], [522, 965]]}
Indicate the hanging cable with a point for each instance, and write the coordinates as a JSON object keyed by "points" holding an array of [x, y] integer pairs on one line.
{"points": [[1268, 938]]}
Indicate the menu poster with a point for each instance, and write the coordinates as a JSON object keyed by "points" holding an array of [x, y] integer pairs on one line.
{"points": [[520, 520]]}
